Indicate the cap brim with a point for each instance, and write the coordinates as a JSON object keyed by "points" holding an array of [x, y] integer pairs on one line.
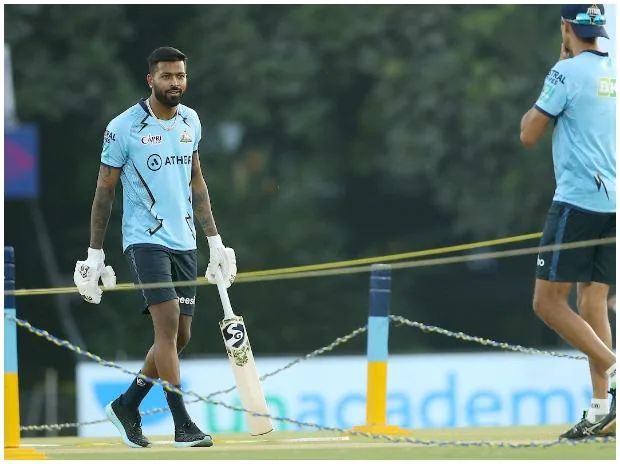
{"points": [[589, 32]]}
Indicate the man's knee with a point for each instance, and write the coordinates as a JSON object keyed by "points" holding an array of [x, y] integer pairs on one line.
{"points": [[185, 333], [548, 297], [183, 339], [165, 321], [592, 301], [542, 304]]}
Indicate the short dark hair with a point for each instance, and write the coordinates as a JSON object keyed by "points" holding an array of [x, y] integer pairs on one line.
{"points": [[588, 40], [585, 40], [165, 54]]}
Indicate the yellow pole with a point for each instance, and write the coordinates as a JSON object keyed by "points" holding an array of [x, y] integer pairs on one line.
{"points": [[377, 354], [12, 448], [11, 410]]}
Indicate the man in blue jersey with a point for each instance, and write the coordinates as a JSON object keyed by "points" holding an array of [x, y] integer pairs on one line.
{"points": [[579, 97], [153, 148]]}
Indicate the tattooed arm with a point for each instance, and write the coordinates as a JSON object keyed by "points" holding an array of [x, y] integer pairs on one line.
{"points": [[220, 257], [200, 199], [102, 204], [88, 272]]}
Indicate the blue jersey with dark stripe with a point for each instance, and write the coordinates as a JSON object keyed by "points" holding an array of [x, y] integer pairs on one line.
{"points": [[156, 170], [580, 93]]}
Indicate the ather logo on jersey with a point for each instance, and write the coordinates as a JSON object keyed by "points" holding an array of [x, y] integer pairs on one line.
{"points": [[155, 161], [178, 159]]}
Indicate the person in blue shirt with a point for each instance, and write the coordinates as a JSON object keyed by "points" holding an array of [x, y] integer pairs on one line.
{"points": [[153, 148], [579, 98]]}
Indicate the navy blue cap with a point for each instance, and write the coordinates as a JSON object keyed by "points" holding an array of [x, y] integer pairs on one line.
{"points": [[587, 20]]}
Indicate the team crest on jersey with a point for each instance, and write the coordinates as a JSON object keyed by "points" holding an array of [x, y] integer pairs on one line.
{"points": [[151, 139], [185, 138]]}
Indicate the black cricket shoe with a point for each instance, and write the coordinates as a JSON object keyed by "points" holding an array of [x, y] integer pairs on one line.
{"points": [[189, 435], [607, 426], [583, 429], [128, 423]]}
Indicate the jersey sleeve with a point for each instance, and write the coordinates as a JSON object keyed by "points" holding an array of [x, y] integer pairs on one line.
{"points": [[113, 152], [197, 131], [553, 98]]}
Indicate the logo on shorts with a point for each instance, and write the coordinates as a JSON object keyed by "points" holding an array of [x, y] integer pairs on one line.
{"points": [[140, 382], [189, 301], [539, 261], [151, 139]]}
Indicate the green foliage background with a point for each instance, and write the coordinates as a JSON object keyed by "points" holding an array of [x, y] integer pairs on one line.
{"points": [[330, 132]]}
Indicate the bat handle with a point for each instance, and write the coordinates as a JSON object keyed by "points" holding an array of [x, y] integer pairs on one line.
{"points": [[221, 287]]}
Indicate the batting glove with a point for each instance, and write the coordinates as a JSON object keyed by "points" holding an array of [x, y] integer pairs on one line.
{"points": [[87, 274], [221, 257]]}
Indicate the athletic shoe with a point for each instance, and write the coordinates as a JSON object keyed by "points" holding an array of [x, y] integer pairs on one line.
{"points": [[583, 429], [190, 435], [608, 424], [128, 423]]}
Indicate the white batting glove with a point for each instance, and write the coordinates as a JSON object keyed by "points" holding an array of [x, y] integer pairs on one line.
{"points": [[222, 257], [87, 274]]}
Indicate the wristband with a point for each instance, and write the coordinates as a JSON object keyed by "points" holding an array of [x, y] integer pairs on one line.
{"points": [[215, 241], [96, 255]]}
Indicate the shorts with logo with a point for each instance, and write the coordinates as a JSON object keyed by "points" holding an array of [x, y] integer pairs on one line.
{"points": [[567, 223], [156, 264]]}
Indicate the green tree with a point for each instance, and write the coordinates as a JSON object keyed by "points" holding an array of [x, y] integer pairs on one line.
{"points": [[329, 132]]}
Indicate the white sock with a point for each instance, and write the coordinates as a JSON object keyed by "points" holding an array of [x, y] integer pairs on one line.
{"points": [[599, 408], [611, 372]]}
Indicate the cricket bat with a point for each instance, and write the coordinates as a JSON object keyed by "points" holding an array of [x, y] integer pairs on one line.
{"points": [[242, 361]]}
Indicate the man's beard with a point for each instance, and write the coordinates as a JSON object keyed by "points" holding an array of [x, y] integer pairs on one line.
{"points": [[167, 99]]}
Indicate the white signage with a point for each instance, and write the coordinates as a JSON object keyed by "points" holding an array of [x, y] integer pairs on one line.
{"points": [[456, 390]]}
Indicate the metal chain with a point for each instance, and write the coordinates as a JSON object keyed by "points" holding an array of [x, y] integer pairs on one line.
{"points": [[325, 349], [338, 341], [29, 428], [482, 341], [392, 439]]}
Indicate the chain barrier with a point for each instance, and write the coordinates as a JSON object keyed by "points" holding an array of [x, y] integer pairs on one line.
{"points": [[483, 341], [209, 399], [43, 333]]}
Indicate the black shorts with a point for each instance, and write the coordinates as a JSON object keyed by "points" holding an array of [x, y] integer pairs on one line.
{"points": [[155, 264], [566, 223]]}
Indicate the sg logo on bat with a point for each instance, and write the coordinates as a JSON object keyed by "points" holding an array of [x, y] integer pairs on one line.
{"points": [[236, 340], [234, 335]]}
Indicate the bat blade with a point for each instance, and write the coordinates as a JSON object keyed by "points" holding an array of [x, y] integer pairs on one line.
{"points": [[248, 383]]}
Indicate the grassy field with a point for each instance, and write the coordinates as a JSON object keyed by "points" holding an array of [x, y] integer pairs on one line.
{"points": [[323, 445]]}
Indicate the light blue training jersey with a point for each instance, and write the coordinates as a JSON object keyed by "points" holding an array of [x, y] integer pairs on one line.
{"points": [[580, 93], [156, 171]]}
